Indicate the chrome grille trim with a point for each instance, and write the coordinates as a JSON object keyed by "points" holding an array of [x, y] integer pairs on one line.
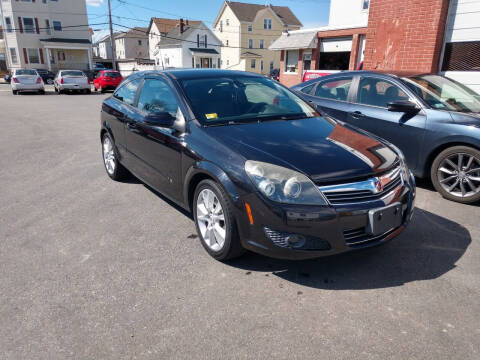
{"points": [[363, 191]]}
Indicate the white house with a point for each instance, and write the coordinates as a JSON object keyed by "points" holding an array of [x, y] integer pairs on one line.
{"points": [[189, 45], [38, 34], [132, 44]]}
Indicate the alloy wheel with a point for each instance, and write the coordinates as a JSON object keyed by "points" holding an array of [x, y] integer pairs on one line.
{"points": [[211, 219], [459, 175], [108, 155]]}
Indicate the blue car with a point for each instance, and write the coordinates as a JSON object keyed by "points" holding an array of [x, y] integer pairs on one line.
{"points": [[434, 120]]}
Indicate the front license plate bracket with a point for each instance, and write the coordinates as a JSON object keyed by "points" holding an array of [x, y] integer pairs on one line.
{"points": [[383, 219]]}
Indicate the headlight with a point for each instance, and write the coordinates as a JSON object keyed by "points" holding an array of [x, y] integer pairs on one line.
{"points": [[283, 185]]}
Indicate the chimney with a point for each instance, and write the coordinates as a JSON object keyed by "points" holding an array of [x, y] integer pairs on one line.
{"points": [[182, 26]]}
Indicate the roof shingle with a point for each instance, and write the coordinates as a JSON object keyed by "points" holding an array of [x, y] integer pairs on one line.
{"points": [[247, 12]]}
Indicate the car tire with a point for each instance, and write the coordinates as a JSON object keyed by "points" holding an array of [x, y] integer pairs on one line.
{"points": [[455, 183], [42, 92], [101, 89], [231, 246], [95, 88], [89, 91], [114, 169], [14, 92]]}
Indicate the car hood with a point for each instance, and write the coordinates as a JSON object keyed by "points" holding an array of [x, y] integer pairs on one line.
{"points": [[324, 150]]}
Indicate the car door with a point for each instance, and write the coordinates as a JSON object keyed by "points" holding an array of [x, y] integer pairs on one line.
{"points": [[369, 112], [157, 150], [332, 95], [96, 80], [117, 110]]}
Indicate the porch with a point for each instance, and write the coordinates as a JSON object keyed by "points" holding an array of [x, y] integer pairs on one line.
{"points": [[205, 58], [68, 54]]}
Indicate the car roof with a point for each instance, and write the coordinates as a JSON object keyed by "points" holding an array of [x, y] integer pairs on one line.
{"points": [[179, 74]]}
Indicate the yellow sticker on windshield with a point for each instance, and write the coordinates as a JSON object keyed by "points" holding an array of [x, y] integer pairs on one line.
{"points": [[211, 116]]}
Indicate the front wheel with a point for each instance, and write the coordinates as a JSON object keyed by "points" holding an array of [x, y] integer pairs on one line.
{"points": [[14, 92], [215, 222], [455, 174]]}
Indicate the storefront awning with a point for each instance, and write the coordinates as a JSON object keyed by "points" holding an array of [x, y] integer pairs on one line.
{"points": [[295, 40]]}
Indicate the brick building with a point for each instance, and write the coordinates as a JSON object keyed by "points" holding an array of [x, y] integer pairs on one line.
{"points": [[389, 35]]}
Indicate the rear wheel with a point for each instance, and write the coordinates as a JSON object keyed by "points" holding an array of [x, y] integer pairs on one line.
{"points": [[42, 92], [215, 222], [114, 169], [455, 174], [14, 92]]}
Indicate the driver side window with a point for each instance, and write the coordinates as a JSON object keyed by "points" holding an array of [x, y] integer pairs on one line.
{"points": [[128, 92], [157, 97], [336, 89], [377, 92]]}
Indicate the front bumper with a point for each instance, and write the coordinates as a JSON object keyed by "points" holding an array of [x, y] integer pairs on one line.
{"points": [[328, 230], [27, 87]]}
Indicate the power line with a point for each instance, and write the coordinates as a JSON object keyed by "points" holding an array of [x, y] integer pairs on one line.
{"points": [[34, 30], [189, 41]]}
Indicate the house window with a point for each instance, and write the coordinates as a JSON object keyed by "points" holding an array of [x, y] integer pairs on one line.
{"points": [[226, 43], [52, 57], [271, 65], [365, 4], [267, 24], [261, 44], [249, 28], [228, 62], [33, 56], [261, 65], [139, 42], [252, 63], [57, 26], [61, 56], [227, 22], [250, 43], [219, 63], [221, 25], [461, 56], [13, 55], [8, 22], [291, 61], [47, 26], [28, 25]]}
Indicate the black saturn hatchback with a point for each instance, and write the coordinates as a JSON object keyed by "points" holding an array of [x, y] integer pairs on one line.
{"points": [[257, 166]]}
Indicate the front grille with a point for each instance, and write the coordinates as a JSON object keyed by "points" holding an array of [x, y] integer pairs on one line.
{"points": [[359, 236], [364, 190]]}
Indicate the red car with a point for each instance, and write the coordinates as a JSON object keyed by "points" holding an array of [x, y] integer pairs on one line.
{"points": [[106, 80]]}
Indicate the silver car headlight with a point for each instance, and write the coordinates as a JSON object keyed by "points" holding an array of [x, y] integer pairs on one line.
{"points": [[283, 185]]}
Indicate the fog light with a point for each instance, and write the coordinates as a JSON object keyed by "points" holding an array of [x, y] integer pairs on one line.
{"points": [[296, 240]]}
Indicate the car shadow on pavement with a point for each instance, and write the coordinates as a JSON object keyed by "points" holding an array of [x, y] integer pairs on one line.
{"points": [[426, 250]]}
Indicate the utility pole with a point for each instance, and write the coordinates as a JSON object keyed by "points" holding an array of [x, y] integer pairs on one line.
{"points": [[112, 40]]}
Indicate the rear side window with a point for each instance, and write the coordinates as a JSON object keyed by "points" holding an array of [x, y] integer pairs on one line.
{"points": [[377, 92], [157, 97], [128, 92], [335, 89]]}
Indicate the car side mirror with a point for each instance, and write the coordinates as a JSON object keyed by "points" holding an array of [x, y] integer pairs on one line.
{"points": [[405, 106], [161, 119]]}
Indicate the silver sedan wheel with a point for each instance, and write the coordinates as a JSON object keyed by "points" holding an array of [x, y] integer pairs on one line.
{"points": [[459, 175], [108, 155], [211, 219]]}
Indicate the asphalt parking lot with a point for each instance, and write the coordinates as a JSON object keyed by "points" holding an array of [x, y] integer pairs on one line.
{"points": [[94, 269]]}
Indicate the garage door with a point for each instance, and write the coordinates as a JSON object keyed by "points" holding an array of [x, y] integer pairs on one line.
{"points": [[461, 59], [336, 44]]}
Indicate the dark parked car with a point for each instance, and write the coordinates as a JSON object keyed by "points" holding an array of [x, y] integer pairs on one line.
{"points": [[47, 76], [258, 167], [434, 120]]}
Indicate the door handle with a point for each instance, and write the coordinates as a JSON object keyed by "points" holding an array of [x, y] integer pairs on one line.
{"points": [[357, 114], [132, 126]]}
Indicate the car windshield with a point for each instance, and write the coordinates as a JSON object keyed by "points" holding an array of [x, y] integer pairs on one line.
{"points": [[242, 98], [72, 73], [112, 74], [444, 94], [25, 72]]}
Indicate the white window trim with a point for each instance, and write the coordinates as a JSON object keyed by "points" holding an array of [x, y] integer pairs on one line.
{"points": [[25, 27], [253, 43], [268, 22], [16, 55], [38, 54]]}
